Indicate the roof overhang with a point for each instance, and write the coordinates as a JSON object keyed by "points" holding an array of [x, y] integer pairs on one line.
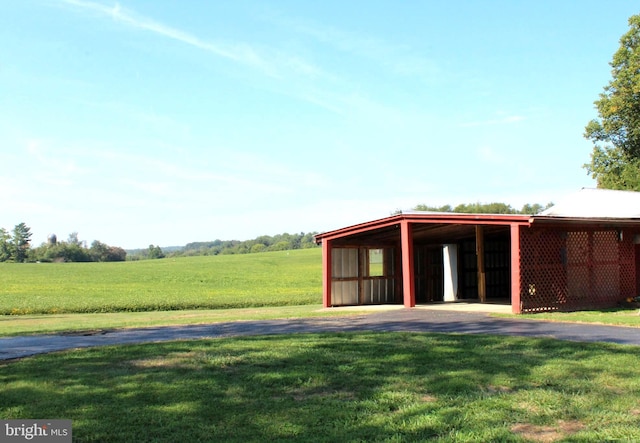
{"points": [[594, 222], [435, 226], [438, 227]]}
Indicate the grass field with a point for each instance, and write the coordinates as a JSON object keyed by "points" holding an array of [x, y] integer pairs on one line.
{"points": [[214, 282], [614, 316], [54, 297], [355, 387], [13, 325]]}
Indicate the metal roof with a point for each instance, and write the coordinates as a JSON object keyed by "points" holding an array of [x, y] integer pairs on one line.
{"points": [[589, 207], [597, 203]]}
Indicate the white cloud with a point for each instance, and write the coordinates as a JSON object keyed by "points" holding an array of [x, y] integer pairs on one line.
{"points": [[295, 75], [292, 74], [273, 63], [495, 121], [399, 59], [240, 53], [101, 177], [40, 157], [490, 155]]}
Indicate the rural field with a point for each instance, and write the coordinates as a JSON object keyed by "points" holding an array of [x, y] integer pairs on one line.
{"points": [[352, 387], [38, 298], [284, 278]]}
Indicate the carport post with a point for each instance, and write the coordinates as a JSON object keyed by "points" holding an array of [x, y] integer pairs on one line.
{"points": [[515, 269], [408, 280], [326, 272], [482, 276]]}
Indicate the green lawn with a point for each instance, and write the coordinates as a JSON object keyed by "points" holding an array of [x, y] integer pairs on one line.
{"points": [[349, 387], [225, 281], [12, 325], [624, 316]]}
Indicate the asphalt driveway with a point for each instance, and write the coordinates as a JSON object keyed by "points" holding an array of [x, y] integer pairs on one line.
{"points": [[410, 320]]}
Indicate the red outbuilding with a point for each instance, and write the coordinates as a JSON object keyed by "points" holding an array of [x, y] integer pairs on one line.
{"points": [[579, 254]]}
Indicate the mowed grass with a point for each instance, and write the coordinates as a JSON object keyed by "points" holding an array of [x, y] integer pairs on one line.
{"points": [[13, 325], [214, 282], [345, 387], [624, 316]]}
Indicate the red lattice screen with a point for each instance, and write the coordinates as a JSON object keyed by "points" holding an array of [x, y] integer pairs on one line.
{"points": [[565, 270]]}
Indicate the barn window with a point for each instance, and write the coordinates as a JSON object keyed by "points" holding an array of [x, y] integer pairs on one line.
{"points": [[375, 262]]}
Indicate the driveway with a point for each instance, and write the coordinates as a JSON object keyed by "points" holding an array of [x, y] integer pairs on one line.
{"points": [[410, 320]]}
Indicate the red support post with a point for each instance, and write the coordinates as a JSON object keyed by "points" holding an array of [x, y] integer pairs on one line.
{"points": [[516, 308], [408, 274], [326, 273]]}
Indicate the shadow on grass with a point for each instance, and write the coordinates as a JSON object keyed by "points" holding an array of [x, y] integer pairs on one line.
{"points": [[324, 387]]}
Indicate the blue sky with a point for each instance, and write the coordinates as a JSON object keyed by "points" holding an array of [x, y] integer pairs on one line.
{"points": [[164, 122]]}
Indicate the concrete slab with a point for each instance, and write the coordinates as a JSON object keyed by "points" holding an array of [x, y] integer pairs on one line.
{"points": [[363, 308], [458, 306], [468, 307]]}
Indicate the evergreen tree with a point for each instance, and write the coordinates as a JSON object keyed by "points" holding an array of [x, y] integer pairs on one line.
{"points": [[20, 242], [5, 245]]}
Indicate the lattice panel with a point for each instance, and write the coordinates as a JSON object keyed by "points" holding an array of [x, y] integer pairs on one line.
{"points": [[628, 269], [543, 276], [576, 269], [606, 266]]}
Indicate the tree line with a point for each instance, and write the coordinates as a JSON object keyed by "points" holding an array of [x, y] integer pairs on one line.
{"points": [[485, 208], [263, 243], [15, 246]]}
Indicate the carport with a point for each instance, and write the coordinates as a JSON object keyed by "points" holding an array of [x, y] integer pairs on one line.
{"points": [[559, 260]]}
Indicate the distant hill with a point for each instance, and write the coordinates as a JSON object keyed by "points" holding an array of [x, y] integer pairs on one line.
{"points": [[166, 249], [263, 243]]}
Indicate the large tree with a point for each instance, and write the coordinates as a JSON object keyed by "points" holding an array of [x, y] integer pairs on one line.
{"points": [[5, 245], [615, 158], [20, 242]]}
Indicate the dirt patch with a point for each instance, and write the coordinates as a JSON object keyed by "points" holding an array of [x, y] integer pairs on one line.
{"points": [[547, 433], [536, 433], [175, 360], [498, 389], [529, 407], [570, 427], [303, 395]]}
